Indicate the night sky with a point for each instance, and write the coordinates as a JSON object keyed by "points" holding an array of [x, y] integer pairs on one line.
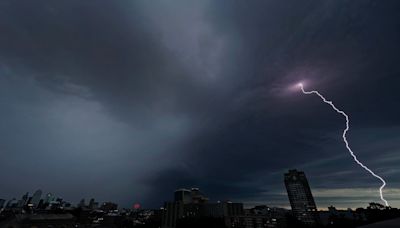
{"points": [[128, 100]]}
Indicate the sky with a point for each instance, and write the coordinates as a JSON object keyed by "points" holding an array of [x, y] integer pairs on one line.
{"points": [[126, 101]]}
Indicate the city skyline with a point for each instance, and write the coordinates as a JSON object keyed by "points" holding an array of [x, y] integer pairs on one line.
{"points": [[129, 100], [191, 207], [294, 181]]}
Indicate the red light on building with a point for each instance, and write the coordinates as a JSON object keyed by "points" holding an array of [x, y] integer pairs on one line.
{"points": [[136, 206]]}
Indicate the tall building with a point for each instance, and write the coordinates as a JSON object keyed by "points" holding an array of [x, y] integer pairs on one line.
{"points": [[36, 198], [23, 200], [300, 197]]}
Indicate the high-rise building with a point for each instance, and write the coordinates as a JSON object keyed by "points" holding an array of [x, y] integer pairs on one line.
{"points": [[23, 200], [300, 197], [25, 197], [36, 198]]}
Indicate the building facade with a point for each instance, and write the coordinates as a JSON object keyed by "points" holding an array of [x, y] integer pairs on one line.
{"points": [[183, 195], [300, 197], [36, 198], [193, 204]]}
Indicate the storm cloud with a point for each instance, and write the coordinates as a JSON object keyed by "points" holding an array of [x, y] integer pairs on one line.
{"points": [[129, 100]]}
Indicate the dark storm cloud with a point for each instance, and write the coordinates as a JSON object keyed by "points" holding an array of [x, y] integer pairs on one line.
{"points": [[347, 50], [201, 87], [91, 45]]}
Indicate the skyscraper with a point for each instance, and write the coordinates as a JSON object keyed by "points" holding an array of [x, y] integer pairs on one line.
{"points": [[23, 200], [36, 198], [300, 197]]}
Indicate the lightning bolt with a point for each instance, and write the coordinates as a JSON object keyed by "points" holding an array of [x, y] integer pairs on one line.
{"points": [[345, 139]]}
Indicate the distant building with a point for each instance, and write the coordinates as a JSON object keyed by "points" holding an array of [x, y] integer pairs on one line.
{"points": [[49, 197], [259, 217], [109, 206], [23, 200], [193, 204], [12, 203], [82, 203], [36, 198], [41, 204], [183, 195], [300, 197], [2, 202], [171, 213], [93, 204], [197, 196]]}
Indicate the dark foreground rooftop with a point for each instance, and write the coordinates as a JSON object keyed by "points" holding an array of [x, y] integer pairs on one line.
{"points": [[393, 223]]}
